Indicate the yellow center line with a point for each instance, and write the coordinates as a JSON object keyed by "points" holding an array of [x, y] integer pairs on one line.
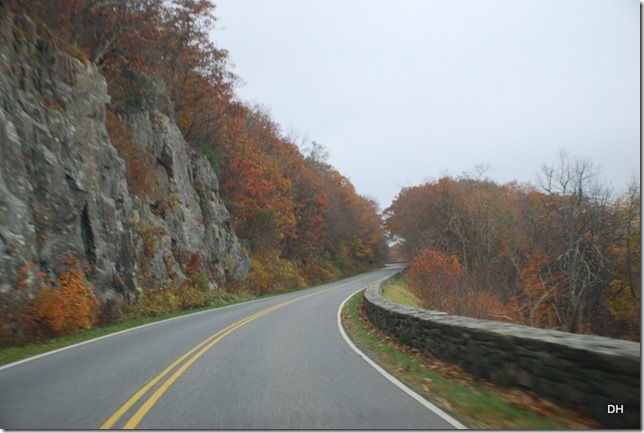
{"points": [[145, 408], [205, 345], [115, 417]]}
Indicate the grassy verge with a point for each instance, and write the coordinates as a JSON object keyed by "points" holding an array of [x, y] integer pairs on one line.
{"points": [[13, 354], [475, 403], [396, 291]]}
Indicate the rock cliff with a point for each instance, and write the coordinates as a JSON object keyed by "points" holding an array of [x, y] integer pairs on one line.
{"points": [[64, 187], [182, 209]]}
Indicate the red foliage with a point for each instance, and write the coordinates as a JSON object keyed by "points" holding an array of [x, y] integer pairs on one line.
{"points": [[436, 279], [285, 205], [194, 264], [439, 281], [536, 304]]}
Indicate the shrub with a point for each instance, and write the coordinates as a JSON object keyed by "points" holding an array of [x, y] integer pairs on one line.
{"points": [[194, 292], [213, 159], [194, 265], [66, 307], [157, 301], [320, 272], [438, 281], [114, 310], [435, 279], [483, 305], [169, 298], [271, 274], [259, 280]]}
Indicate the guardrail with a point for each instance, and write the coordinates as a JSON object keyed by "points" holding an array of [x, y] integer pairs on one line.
{"points": [[597, 375]]}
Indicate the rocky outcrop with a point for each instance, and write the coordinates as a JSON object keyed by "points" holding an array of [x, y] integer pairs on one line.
{"points": [[183, 210], [63, 185]]}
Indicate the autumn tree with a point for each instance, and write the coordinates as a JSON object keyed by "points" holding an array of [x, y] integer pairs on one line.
{"points": [[463, 217], [100, 31], [439, 281], [253, 184], [623, 297], [300, 219], [436, 279], [353, 234], [561, 255], [535, 304], [420, 216], [198, 80], [305, 242]]}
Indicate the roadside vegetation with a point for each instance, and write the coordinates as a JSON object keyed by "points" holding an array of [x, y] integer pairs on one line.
{"points": [[476, 403], [132, 317], [300, 220], [564, 254], [397, 291], [65, 311]]}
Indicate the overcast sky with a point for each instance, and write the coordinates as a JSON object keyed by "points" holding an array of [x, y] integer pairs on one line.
{"points": [[405, 91]]}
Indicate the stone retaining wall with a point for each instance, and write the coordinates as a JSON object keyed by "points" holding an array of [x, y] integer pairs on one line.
{"points": [[586, 372]]}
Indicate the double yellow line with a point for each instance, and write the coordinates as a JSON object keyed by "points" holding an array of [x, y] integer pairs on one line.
{"points": [[200, 349]]}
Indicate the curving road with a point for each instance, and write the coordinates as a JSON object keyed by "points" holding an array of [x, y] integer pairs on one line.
{"points": [[274, 363]]}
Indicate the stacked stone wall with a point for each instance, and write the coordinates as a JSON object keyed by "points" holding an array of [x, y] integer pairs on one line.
{"points": [[593, 374]]}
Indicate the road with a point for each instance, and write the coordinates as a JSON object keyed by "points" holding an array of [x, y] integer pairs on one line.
{"points": [[273, 363]]}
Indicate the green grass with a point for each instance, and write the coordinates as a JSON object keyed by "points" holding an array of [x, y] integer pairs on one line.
{"points": [[396, 291], [475, 403], [13, 354]]}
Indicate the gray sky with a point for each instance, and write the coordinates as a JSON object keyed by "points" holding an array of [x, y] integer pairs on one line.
{"points": [[404, 91]]}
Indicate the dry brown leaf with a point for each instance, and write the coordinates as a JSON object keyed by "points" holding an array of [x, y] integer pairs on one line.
{"points": [[530, 401]]}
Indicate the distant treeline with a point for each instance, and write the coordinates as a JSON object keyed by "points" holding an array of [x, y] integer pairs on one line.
{"points": [[564, 255]]}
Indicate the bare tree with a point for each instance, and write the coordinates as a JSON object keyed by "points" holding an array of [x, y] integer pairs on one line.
{"points": [[579, 207], [317, 152]]}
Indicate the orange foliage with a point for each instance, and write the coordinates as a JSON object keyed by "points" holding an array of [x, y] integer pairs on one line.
{"points": [[482, 305], [68, 307], [300, 208], [438, 281], [299, 216], [556, 258], [535, 305], [396, 254]]}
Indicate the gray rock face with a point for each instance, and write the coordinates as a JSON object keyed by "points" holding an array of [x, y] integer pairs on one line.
{"points": [[184, 211], [63, 185]]}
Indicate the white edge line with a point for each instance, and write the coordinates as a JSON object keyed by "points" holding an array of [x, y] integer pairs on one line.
{"points": [[82, 343], [438, 411]]}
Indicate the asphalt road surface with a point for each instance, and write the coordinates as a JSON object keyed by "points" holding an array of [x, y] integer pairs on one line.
{"points": [[274, 363]]}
